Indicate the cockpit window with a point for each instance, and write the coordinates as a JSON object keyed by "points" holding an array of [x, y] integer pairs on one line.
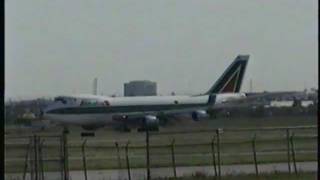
{"points": [[60, 99], [89, 103], [106, 103]]}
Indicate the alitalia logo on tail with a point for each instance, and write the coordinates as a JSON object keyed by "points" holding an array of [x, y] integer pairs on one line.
{"points": [[231, 79], [231, 84]]}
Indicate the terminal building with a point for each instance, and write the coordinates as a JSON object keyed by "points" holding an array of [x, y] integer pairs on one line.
{"points": [[140, 88]]}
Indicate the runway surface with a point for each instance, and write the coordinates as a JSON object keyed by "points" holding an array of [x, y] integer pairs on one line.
{"points": [[140, 173]]}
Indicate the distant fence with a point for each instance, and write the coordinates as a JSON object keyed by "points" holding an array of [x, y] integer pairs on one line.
{"points": [[261, 111], [215, 147], [37, 154], [171, 149]]}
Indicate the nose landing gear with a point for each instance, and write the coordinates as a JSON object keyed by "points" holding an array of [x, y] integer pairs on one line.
{"points": [[65, 130]]}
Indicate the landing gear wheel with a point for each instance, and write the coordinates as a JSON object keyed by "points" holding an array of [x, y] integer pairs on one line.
{"points": [[141, 129], [65, 130], [125, 128]]}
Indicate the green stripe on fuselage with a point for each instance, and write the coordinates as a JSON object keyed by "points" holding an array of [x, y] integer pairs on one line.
{"points": [[123, 109]]}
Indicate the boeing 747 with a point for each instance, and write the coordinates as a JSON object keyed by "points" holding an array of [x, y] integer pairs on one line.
{"points": [[92, 112]]}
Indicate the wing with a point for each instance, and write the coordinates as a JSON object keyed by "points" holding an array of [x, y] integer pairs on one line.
{"points": [[137, 117]]}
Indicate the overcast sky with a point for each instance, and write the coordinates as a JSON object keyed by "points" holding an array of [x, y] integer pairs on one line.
{"points": [[55, 47]]}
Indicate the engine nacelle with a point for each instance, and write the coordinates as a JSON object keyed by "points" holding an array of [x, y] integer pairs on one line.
{"points": [[152, 122], [197, 115]]}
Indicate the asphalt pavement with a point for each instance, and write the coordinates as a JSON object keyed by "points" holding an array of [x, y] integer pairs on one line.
{"points": [[140, 173]]}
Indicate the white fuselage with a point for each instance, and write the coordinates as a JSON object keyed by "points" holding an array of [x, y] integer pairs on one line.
{"points": [[118, 105], [100, 110]]}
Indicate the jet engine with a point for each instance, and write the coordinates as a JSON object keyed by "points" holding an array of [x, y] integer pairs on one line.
{"points": [[199, 114], [150, 122]]}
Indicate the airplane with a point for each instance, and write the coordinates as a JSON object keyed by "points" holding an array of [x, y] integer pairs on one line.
{"points": [[92, 112]]}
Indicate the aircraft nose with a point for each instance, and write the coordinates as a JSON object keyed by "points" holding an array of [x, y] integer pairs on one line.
{"points": [[46, 113], [42, 113]]}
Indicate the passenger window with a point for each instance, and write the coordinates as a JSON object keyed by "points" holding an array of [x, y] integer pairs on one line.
{"points": [[83, 103]]}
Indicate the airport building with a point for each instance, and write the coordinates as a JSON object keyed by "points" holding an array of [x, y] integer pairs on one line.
{"points": [[140, 88]]}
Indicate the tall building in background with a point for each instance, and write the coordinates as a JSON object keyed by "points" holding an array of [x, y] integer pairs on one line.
{"points": [[140, 88]]}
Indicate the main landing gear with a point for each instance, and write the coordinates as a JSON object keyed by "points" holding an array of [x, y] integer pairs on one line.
{"points": [[65, 130], [143, 129], [123, 128]]}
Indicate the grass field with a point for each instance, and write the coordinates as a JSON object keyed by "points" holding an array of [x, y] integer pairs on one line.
{"points": [[190, 148], [273, 176], [200, 176]]}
